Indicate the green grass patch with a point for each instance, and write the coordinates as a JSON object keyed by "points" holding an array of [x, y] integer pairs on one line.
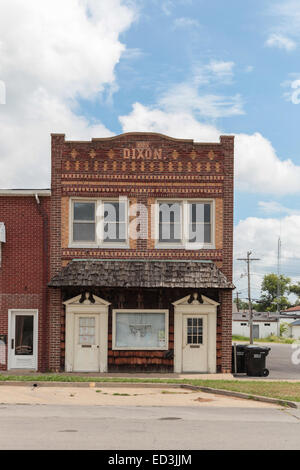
{"points": [[239, 338], [281, 390], [268, 339]]}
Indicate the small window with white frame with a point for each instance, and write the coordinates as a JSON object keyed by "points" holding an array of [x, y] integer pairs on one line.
{"points": [[84, 222], [98, 223], [140, 329], [170, 222], [114, 222], [185, 224]]}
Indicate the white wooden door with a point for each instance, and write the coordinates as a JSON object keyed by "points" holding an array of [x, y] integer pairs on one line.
{"points": [[22, 340], [194, 344], [86, 343]]}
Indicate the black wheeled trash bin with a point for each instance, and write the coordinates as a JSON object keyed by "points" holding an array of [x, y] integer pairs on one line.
{"points": [[240, 359], [255, 360]]}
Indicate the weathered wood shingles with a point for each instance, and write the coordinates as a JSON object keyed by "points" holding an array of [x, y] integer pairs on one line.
{"points": [[121, 273]]}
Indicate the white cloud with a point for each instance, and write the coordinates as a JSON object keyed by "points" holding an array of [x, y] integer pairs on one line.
{"points": [[260, 236], [185, 22], [281, 42], [214, 72], [288, 16], [180, 124], [257, 166], [274, 207], [55, 53], [188, 96], [185, 97], [221, 69]]}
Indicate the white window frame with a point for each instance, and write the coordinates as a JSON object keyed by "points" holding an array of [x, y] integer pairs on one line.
{"points": [[99, 206], [132, 310], [185, 244]]}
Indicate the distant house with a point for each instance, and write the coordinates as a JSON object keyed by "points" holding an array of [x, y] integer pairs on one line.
{"points": [[292, 310], [294, 329], [291, 318], [264, 324]]}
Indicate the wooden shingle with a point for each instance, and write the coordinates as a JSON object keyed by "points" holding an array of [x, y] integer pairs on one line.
{"points": [[151, 274]]}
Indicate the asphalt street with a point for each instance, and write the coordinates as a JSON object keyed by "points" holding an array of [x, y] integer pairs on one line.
{"points": [[119, 427]]}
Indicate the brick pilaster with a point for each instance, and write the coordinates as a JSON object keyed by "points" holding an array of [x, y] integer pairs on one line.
{"points": [[55, 303]]}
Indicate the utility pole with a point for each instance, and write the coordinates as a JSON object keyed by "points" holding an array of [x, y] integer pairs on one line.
{"points": [[237, 300], [278, 285], [248, 260]]}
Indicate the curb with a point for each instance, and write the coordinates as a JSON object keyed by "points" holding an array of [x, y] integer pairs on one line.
{"points": [[245, 396]]}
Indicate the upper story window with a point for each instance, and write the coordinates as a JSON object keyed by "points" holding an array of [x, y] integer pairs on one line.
{"points": [[84, 221], [114, 222], [199, 222], [185, 224], [98, 222], [170, 222]]}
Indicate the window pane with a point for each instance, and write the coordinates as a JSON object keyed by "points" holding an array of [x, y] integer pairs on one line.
{"points": [[199, 222], [196, 233], [24, 335], [194, 331], [199, 212], [114, 232], [207, 210], [86, 330], [170, 222], [83, 232], [169, 212], [84, 211], [114, 222], [207, 233], [196, 212], [170, 233], [114, 212], [140, 330]]}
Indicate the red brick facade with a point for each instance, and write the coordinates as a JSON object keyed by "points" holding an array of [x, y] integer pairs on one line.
{"points": [[142, 167], [22, 276]]}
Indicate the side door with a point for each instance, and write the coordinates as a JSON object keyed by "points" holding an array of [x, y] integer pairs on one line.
{"points": [[22, 340]]}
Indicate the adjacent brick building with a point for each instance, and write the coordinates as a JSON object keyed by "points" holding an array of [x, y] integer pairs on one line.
{"points": [[135, 243]]}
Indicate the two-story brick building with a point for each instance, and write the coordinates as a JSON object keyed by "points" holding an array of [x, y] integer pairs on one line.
{"points": [[135, 243]]}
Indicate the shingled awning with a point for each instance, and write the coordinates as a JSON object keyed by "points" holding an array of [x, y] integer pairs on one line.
{"points": [[125, 273]]}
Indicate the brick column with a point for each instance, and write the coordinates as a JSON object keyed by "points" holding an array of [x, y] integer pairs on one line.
{"points": [[55, 301], [227, 143]]}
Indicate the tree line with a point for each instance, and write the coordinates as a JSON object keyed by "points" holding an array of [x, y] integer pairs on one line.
{"points": [[269, 294]]}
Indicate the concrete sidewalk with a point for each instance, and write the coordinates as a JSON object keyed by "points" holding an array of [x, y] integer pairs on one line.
{"points": [[128, 395]]}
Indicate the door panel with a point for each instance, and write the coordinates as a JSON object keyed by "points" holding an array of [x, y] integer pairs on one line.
{"points": [[23, 341], [194, 344], [86, 343], [255, 331]]}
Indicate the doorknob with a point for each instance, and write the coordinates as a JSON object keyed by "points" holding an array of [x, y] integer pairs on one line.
{"points": [[12, 343]]}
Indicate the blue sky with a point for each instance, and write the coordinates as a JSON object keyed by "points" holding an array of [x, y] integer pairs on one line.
{"points": [[187, 68], [170, 39]]}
